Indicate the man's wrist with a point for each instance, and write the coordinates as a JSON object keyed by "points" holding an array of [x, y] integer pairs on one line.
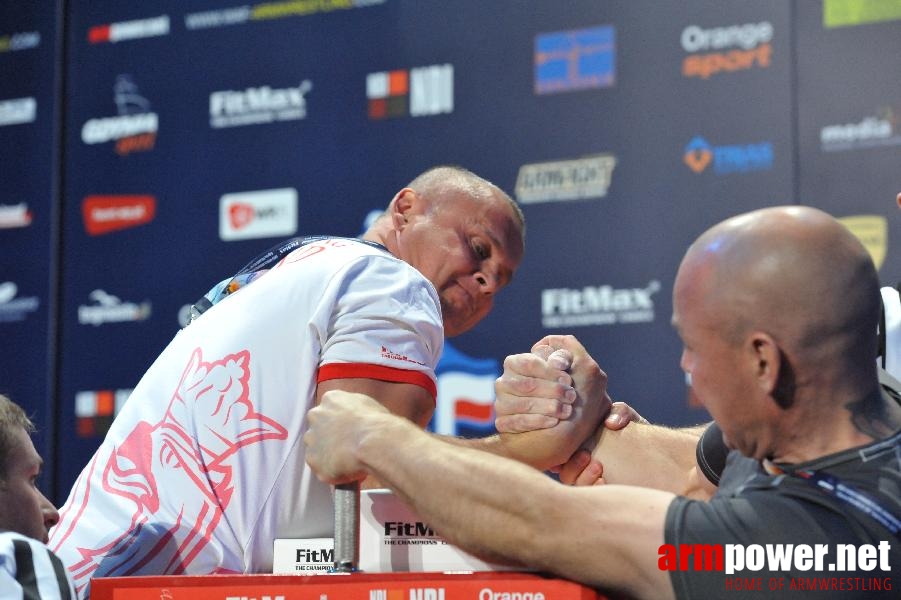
{"points": [[379, 434]]}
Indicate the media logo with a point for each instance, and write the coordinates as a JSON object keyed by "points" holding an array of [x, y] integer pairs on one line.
{"points": [[253, 106], [872, 231], [134, 129], [95, 410], [18, 110], [14, 215], [743, 158], [258, 214], [734, 48], [106, 214], [561, 180], [25, 40], [598, 305], [577, 59], [881, 129], [129, 30], [14, 309], [419, 92], [107, 308]]}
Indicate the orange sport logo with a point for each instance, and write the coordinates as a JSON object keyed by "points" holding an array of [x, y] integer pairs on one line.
{"points": [[726, 49]]}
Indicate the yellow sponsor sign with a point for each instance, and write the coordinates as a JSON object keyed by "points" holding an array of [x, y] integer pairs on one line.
{"points": [[872, 231], [297, 8], [844, 13]]}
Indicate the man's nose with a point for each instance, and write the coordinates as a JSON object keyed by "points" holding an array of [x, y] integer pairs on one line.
{"points": [[487, 282], [51, 515]]}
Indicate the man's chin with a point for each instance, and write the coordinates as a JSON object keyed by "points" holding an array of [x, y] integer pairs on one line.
{"points": [[453, 330]]}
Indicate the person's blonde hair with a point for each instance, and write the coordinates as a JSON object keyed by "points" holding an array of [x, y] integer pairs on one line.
{"points": [[12, 417]]}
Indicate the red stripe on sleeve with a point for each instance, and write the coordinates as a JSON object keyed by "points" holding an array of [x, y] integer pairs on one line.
{"points": [[382, 373]]}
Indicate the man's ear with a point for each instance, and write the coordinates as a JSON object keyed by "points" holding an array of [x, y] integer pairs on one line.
{"points": [[773, 370], [400, 207], [766, 358]]}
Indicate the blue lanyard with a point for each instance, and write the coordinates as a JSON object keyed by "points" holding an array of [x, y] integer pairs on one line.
{"points": [[835, 487], [256, 268]]}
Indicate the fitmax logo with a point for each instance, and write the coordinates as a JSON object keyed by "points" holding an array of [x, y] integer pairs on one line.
{"points": [[699, 155], [417, 529], [315, 556], [598, 305]]}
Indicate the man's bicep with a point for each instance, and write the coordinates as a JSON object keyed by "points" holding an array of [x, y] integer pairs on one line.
{"points": [[403, 399]]}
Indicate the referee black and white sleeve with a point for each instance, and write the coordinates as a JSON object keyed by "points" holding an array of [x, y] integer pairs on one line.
{"points": [[30, 571]]}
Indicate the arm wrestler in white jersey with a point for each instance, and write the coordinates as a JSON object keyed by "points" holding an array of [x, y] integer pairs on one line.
{"points": [[204, 465]]}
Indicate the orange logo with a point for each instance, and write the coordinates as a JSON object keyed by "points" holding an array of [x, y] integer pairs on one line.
{"points": [[697, 155], [705, 65]]}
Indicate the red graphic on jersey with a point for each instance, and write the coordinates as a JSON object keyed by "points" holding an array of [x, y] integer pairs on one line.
{"points": [[197, 471]]}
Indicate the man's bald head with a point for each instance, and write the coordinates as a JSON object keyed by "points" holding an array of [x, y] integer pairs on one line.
{"points": [[794, 272], [446, 182]]}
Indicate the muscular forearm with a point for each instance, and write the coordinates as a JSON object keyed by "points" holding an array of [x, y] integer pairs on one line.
{"points": [[649, 456], [505, 512], [542, 449]]}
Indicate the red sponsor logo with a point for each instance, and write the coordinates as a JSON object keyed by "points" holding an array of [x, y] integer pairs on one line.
{"points": [[240, 215], [129, 30], [98, 34], [105, 214]]}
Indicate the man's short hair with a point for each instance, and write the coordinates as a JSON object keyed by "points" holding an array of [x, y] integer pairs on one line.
{"points": [[464, 179], [12, 417]]}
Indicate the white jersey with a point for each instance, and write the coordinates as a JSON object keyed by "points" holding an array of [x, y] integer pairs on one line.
{"points": [[29, 571], [205, 465], [890, 332]]}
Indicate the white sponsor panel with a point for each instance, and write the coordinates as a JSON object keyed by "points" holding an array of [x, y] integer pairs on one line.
{"points": [[869, 132], [431, 90], [99, 131], [393, 539], [14, 215], [258, 214], [140, 28], [256, 105], [561, 180], [218, 18], [24, 40], [598, 305], [750, 35], [18, 110], [107, 308], [13, 308], [309, 556]]}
